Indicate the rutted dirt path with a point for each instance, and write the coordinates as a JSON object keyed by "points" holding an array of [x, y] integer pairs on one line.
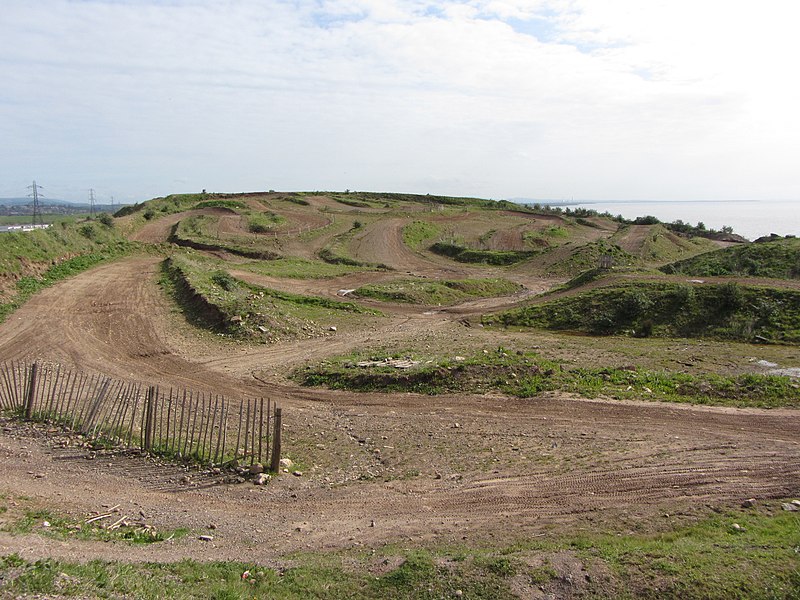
{"points": [[379, 468]]}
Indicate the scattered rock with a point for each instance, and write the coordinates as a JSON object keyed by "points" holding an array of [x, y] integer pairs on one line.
{"points": [[206, 538], [256, 468], [261, 479], [332, 328], [749, 503], [297, 473], [790, 506], [286, 463], [737, 527]]}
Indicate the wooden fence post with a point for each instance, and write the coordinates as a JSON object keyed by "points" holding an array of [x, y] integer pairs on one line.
{"points": [[31, 391], [275, 463], [149, 416]]}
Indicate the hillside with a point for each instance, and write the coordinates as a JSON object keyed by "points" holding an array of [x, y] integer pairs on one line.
{"points": [[476, 397], [775, 259]]}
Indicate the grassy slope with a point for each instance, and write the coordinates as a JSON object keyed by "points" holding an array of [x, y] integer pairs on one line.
{"points": [[778, 260], [215, 300], [38, 259], [728, 311]]}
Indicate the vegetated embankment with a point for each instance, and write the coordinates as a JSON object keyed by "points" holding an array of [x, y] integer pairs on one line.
{"points": [[726, 311]]}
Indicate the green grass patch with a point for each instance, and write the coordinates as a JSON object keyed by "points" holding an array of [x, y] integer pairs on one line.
{"points": [[417, 233], [264, 222], [587, 256], [300, 268], [727, 311], [444, 293], [778, 260], [52, 525], [489, 257], [234, 205], [707, 559], [526, 375], [214, 299]]}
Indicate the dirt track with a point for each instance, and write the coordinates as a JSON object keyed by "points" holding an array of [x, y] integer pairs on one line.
{"points": [[378, 468]]}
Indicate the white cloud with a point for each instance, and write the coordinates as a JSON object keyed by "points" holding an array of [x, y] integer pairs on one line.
{"points": [[616, 98]]}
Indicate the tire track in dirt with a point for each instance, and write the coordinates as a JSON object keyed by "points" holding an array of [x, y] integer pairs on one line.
{"points": [[581, 457]]}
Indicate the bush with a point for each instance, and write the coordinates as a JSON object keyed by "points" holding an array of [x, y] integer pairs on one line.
{"points": [[106, 219]]}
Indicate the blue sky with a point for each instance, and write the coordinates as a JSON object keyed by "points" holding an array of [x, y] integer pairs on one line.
{"points": [[592, 99]]}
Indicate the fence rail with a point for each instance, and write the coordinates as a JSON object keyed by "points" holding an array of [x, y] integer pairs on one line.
{"points": [[197, 426]]}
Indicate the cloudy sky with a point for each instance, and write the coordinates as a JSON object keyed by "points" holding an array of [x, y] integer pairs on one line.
{"points": [[591, 99]]}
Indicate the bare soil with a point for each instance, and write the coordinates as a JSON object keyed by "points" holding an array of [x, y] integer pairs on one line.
{"points": [[376, 468]]}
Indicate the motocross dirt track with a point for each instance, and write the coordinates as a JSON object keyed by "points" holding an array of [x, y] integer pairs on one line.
{"points": [[380, 468]]}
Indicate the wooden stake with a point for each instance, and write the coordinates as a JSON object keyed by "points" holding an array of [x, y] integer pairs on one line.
{"points": [[276, 442], [31, 391]]}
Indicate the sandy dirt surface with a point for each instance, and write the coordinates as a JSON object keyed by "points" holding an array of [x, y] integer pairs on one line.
{"points": [[377, 468]]}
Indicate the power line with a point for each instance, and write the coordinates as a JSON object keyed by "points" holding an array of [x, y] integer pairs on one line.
{"points": [[37, 213], [91, 202]]}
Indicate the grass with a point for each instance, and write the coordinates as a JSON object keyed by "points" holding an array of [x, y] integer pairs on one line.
{"points": [[726, 311], [300, 268], [489, 257], [442, 293], [526, 374], [705, 559], [588, 256], [263, 222], [18, 250], [215, 300], [46, 218], [65, 528], [417, 233], [779, 260]]}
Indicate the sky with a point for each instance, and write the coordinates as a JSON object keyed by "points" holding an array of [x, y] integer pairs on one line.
{"points": [[543, 99]]}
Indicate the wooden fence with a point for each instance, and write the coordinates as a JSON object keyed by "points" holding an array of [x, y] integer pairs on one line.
{"points": [[196, 426]]}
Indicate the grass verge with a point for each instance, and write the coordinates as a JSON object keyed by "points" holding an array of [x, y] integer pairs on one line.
{"points": [[707, 559]]}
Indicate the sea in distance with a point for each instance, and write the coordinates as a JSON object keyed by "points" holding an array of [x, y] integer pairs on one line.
{"points": [[749, 218]]}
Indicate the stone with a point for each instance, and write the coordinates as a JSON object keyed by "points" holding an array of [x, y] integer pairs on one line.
{"points": [[749, 503], [286, 463], [790, 506], [206, 538], [256, 468], [297, 473], [261, 479], [332, 328]]}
